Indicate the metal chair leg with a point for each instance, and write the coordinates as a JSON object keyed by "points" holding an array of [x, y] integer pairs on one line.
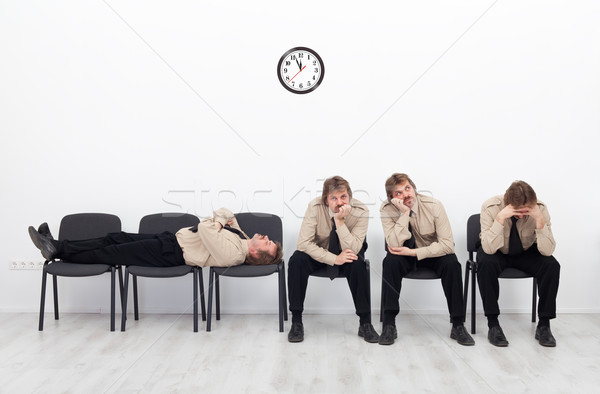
{"points": [[43, 299]]}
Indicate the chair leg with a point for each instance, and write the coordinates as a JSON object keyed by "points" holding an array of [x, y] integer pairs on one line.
{"points": [[55, 288], [125, 291], [217, 297], [195, 295], [120, 270], [281, 291], [285, 307], [112, 298], [473, 296], [466, 286], [136, 313], [43, 299], [534, 302], [210, 296], [202, 300]]}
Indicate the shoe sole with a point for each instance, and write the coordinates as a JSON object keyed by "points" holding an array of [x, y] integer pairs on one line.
{"points": [[295, 340], [462, 343], [499, 344], [34, 235]]}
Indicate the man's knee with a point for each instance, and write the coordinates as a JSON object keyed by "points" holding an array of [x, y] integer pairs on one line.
{"points": [[299, 262], [394, 264]]}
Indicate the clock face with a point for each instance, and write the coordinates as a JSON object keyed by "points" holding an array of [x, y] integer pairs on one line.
{"points": [[300, 70]]}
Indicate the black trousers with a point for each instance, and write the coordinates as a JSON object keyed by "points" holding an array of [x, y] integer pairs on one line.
{"points": [[150, 250], [545, 269], [301, 265], [447, 267]]}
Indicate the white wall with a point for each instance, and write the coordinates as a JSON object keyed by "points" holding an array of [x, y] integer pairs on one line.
{"points": [[140, 107]]}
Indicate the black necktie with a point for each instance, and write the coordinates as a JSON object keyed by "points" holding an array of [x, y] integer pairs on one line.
{"points": [[335, 248], [236, 231], [514, 242], [410, 243]]}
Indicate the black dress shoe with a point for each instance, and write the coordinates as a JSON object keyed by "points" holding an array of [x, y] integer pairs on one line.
{"points": [[45, 230], [496, 337], [462, 336], [368, 333], [296, 333], [44, 244], [544, 335], [388, 334]]}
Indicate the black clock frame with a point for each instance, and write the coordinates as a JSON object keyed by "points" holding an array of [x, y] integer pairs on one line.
{"points": [[285, 85]]}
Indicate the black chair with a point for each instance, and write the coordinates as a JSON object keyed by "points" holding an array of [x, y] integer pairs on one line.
{"points": [[155, 224], [473, 242], [78, 227], [252, 223]]}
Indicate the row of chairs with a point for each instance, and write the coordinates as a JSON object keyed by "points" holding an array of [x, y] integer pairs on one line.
{"points": [[91, 225]]}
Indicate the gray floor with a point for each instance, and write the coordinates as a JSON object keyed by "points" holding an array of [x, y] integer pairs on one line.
{"points": [[246, 353]]}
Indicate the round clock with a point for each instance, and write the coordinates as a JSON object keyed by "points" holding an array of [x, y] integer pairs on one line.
{"points": [[300, 70]]}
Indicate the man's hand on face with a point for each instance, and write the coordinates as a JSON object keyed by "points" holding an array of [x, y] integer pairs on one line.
{"points": [[507, 212], [398, 203], [342, 212], [347, 256], [535, 212]]}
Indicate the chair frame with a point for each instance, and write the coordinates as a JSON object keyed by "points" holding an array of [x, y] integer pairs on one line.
{"points": [[164, 272], [244, 271], [473, 231], [58, 268]]}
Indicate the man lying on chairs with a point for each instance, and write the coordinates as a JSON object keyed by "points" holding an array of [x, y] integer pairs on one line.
{"points": [[218, 241]]}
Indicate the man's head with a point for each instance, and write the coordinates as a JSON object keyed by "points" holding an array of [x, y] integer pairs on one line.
{"points": [[520, 195], [336, 192], [263, 251], [400, 186]]}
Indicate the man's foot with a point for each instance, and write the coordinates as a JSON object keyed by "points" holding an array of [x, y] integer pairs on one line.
{"points": [[45, 230], [544, 335], [388, 334], [368, 333], [296, 333], [496, 337], [462, 336], [44, 244]]}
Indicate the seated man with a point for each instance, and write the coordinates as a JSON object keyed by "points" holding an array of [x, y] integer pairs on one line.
{"points": [[417, 232], [332, 235], [208, 244], [515, 232]]}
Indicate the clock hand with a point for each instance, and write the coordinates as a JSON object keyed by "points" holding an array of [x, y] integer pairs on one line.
{"points": [[299, 64], [297, 74]]}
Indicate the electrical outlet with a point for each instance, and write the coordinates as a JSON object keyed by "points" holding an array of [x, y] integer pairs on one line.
{"points": [[25, 265]]}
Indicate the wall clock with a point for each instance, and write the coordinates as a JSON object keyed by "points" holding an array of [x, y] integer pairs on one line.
{"points": [[300, 70]]}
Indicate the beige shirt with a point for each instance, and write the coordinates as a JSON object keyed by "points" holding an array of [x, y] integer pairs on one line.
{"points": [[316, 227], [495, 236], [429, 223], [212, 246]]}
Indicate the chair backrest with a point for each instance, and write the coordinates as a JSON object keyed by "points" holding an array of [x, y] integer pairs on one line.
{"points": [[473, 231], [261, 223], [171, 222], [88, 225]]}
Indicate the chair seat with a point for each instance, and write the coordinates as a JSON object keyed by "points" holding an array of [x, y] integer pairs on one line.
{"points": [[62, 268], [422, 273], [160, 272], [514, 273], [247, 270]]}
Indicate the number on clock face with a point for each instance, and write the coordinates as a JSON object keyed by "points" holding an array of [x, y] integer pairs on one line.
{"points": [[300, 70]]}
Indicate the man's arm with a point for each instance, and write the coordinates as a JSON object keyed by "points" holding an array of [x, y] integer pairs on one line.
{"points": [[395, 230], [306, 238], [354, 239], [223, 250], [544, 238], [492, 231], [445, 242]]}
